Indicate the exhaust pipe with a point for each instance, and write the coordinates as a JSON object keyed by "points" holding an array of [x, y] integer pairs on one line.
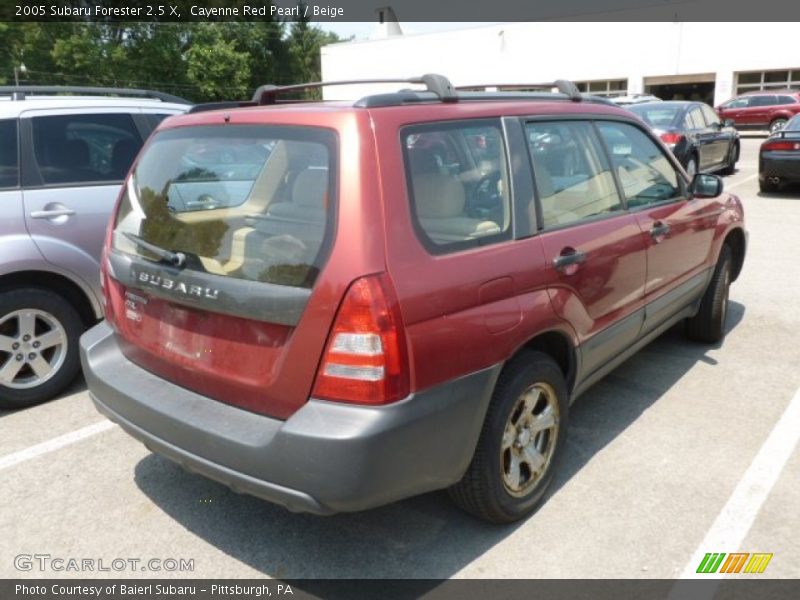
{"points": [[774, 180]]}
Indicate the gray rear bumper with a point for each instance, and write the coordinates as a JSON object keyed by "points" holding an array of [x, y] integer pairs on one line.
{"points": [[327, 457]]}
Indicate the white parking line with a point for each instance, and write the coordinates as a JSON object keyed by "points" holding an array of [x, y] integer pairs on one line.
{"points": [[737, 516], [738, 183], [56, 443]]}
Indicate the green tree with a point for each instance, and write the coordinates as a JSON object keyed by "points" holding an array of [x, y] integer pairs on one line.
{"points": [[199, 61], [215, 67]]}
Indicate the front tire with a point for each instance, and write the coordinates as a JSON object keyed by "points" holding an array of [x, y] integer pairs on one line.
{"points": [[522, 438], [39, 333], [708, 325]]}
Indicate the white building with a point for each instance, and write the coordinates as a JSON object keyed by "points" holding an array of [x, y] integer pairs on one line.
{"points": [[706, 61]]}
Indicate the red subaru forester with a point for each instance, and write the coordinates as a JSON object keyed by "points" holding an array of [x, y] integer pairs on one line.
{"points": [[335, 305]]}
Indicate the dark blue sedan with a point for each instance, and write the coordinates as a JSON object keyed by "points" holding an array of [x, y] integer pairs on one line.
{"points": [[693, 131], [779, 157]]}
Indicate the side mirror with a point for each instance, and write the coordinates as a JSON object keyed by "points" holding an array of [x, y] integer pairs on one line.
{"points": [[706, 186], [728, 122]]}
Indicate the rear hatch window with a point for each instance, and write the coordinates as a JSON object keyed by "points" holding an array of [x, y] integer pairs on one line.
{"points": [[249, 203], [220, 235]]}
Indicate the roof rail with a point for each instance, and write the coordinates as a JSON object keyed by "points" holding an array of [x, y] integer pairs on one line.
{"points": [[437, 84], [206, 106], [18, 92], [564, 86]]}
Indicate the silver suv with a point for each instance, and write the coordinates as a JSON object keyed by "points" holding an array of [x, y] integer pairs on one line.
{"points": [[62, 161]]}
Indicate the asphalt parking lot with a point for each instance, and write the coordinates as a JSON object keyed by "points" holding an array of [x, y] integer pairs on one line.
{"points": [[684, 449]]}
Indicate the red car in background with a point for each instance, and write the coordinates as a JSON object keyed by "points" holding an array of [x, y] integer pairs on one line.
{"points": [[761, 110]]}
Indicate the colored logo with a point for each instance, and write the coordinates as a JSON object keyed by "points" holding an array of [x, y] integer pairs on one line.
{"points": [[736, 562]]}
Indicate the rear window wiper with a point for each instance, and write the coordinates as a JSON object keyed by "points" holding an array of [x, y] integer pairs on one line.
{"points": [[176, 259]]}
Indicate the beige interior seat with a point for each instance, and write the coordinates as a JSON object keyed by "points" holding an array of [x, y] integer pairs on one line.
{"points": [[440, 201], [309, 198]]}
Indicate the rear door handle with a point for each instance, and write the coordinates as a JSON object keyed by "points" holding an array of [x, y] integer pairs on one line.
{"points": [[51, 214], [569, 257]]}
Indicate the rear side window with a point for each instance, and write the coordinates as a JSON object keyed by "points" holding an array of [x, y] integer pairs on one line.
{"points": [[763, 101], [249, 202], [787, 100], [711, 117], [458, 184], [573, 178], [9, 161], [85, 149], [645, 174], [694, 119]]}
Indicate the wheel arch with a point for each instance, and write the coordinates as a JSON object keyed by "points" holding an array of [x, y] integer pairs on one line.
{"points": [[735, 239], [559, 346], [57, 283]]}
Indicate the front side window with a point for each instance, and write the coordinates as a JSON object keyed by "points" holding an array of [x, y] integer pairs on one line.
{"points": [[645, 174], [85, 149], [738, 103], [9, 160], [458, 183], [248, 202], [573, 178], [787, 100]]}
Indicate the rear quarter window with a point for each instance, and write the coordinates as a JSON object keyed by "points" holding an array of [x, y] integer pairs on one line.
{"points": [[458, 185]]}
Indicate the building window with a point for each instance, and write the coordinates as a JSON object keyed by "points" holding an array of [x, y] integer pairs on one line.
{"points": [[604, 87], [753, 81]]}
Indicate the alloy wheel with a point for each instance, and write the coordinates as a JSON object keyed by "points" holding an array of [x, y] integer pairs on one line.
{"points": [[33, 347], [529, 439]]}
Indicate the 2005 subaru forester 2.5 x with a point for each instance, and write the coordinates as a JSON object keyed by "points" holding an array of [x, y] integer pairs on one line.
{"points": [[334, 305]]}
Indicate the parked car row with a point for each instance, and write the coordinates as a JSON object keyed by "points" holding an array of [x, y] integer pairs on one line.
{"points": [[707, 141]]}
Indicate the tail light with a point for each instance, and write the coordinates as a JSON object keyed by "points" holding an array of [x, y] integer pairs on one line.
{"points": [[781, 145], [365, 360], [671, 139], [105, 281]]}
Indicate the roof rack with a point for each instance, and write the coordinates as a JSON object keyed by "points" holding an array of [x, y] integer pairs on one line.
{"points": [[18, 92], [437, 89], [564, 86], [439, 85]]}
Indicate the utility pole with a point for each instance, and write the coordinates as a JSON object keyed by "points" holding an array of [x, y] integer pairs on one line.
{"points": [[17, 70]]}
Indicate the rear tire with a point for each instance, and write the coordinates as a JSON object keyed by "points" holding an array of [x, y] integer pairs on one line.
{"points": [[522, 438], [708, 325], [39, 333]]}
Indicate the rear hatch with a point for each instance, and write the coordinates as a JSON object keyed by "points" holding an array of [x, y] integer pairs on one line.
{"points": [[220, 235]]}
